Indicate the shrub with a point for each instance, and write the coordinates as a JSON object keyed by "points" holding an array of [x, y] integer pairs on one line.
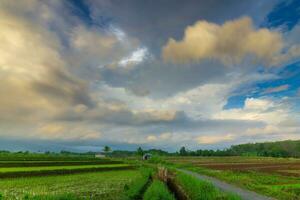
{"points": [[201, 190], [158, 191], [157, 160]]}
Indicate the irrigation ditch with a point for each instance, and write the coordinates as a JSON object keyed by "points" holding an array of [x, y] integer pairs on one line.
{"points": [[168, 178]]}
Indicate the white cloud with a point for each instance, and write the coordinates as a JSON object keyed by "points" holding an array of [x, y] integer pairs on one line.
{"points": [[264, 110], [258, 104], [213, 139], [136, 57], [280, 121], [276, 89], [231, 43], [202, 100], [151, 138], [162, 137], [121, 35]]}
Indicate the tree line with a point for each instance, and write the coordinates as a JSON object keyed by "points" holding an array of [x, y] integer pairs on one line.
{"points": [[288, 148]]}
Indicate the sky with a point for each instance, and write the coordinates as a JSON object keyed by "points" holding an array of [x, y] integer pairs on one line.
{"points": [[80, 74]]}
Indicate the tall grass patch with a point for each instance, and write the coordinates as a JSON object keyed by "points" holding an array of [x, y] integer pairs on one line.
{"points": [[158, 191], [201, 190], [52, 197], [136, 189]]}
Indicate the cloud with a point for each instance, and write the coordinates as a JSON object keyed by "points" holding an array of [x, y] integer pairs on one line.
{"points": [[98, 48], [159, 80], [159, 138], [49, 79], [230, 43], [261, 109], [135, 58], [99, 45], [56, 131], [280, 121], [60, 86], [118, 114], [137, 18], [276, 89], [20, 66], [151, 138], [213, 139], [77, 84], [129, 62]]}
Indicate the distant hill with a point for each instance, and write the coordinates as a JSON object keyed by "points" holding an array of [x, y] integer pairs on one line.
{"points": [[287, 148]]}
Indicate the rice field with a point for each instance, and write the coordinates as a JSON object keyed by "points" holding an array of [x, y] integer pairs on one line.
{"points": [[278, 166], [75, 178], [274, 177], [114, 180], [97, 185]]}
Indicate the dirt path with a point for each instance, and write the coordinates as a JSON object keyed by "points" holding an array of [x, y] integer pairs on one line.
{"points": [[243, 193]]}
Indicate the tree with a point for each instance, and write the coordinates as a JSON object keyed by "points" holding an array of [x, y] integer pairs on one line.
{"points": [[106, 149], [182, 151], [140, 151]]}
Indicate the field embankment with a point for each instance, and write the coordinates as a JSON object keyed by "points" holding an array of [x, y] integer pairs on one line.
{"points": [[11, 172], [56, 163]]}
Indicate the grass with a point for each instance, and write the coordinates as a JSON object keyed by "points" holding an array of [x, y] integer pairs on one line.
{"points": [[52, 197], [201, 190], [101, 185], [135, 190], [292, 171], [158, 191]]}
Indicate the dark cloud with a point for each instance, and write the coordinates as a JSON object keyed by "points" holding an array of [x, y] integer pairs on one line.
{"points": [[60, 86], [108, 113], [160, 80], [154, 22]]}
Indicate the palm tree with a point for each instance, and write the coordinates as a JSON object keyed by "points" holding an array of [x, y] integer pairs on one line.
{"points": [[140, 151], [106, 149]]}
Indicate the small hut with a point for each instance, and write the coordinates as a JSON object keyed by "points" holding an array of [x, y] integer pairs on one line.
{"points": [[147, 156]]}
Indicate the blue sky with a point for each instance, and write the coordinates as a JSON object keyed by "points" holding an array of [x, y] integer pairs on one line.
{"points": [[288, 76], [78, 75]]}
